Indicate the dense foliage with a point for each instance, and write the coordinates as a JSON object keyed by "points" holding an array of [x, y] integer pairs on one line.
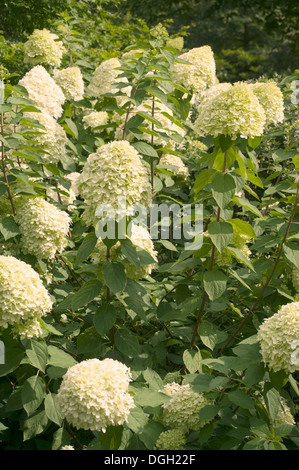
{"points": [[115, 338]]}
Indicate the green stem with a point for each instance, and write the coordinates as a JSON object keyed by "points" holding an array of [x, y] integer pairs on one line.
{"points": [[211, 264]]}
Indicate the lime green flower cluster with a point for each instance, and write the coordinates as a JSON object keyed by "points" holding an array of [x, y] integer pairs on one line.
{"points": [[173, 439], [43, 47], [182, 411], [234, 110]]}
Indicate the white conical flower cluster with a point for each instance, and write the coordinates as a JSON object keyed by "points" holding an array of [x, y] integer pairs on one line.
{"points": [[43, 47], [175, 165], [103, 79], [52, 140], [200, 73], [43, 89], [95, 119], [94, 394], [113, 175], [43, 227], [233, 111], [271, 98], [71, 82], [23, 297], [181, 412], [279, 339]]}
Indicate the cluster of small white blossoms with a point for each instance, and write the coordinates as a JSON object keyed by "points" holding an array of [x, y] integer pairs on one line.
{"points": [[233, 111], [71, 82], [103, 78], [43, 89], [279, 339], [67, 447], [72, 191], [43, 228], [271, 98], [181, 412], [43, 47], [52, 140], [175, 165], [141, 238], [94, 394], [23, 297], [173, 439], [112, 174], [95, 119], [200, 73]]}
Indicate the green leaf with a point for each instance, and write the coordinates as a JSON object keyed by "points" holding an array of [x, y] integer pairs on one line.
{"points": [[243, 227], [114, 276], [137, 419], [208, 412], [13, 358], [86, 294], [111, 439], [86, 248], [240, 398], [241, 257], [203, 179], [150, 397], [33, 392], [221, 234], [243, 202], [291, 250], [223, 189], [71, 128], [273, 402], [210, 334], [127, 343], [37, 353], [104, 318], [214, 284], [9, 228], [192, 359], [145, 149], [51, 410], [60, 358], [34, 425], [153, 379]]}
